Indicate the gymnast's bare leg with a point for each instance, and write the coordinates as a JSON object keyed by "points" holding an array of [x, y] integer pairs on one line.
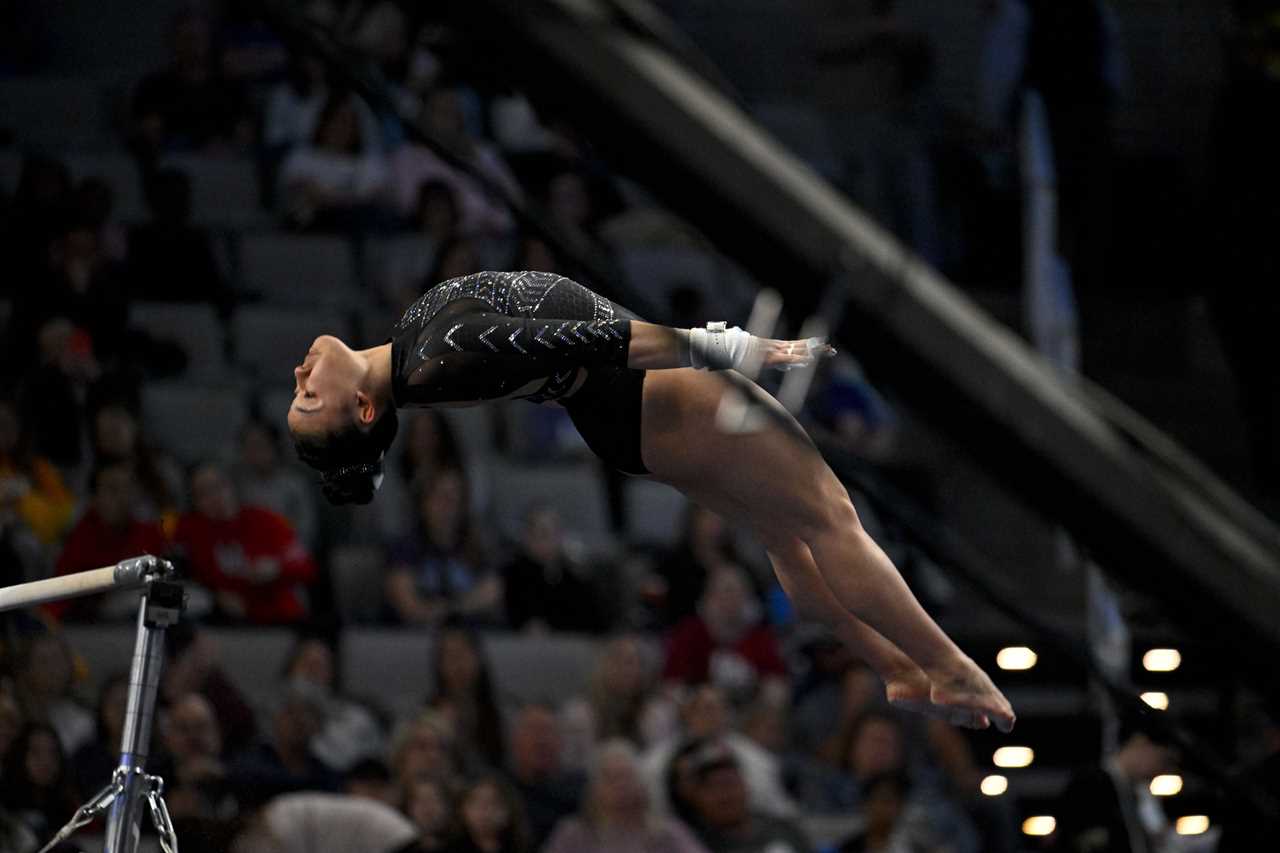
{"points": [[776, 483]]}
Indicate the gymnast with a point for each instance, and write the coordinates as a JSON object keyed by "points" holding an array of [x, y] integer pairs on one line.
{"points": [[642, 398]]}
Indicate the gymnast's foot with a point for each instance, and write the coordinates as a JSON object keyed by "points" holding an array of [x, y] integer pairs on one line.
{"points": [[969, 698]]}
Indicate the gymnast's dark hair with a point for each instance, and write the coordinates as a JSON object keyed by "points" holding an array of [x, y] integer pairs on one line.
{"points": [[350, 460]]}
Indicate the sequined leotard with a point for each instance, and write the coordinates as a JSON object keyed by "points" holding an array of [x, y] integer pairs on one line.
{"points": [[485, 335]]}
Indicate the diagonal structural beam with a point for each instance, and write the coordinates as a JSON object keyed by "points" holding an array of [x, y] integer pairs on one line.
{"points": [[1153, 521]]}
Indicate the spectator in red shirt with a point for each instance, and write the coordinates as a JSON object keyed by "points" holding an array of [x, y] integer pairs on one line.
{"points": [[249, 557], [108, 532], [725, 642]]}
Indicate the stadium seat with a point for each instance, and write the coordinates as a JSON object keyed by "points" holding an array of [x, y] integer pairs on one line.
{"points": [[394, 666], [269, 341], [193, 422], [56, 113], [290, 269], [655, 512], [225, 192], [356, 572], [576, 489], [195, 328]]}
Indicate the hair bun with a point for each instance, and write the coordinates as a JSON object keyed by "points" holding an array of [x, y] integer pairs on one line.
{"points": [[351, 484]]}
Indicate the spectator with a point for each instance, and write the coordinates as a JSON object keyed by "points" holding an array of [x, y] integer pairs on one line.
{"points": [[480, 213], [338, 180], [575, 205], [371, 778], [53, 388], [835, 687], [426, 803], [534, 254], [620, 686], [36, 785], [95, 201], [408, 260], [706, 715], [491, 817], [577, 734], [430, 447], [874, 745], [616, 815], [196, 778], [78, 282], [725, 641], [42, 684], [1111, 801], [284, 762], [459, 257], [11, 720], [890, 826], [171, 260], [707, 787], [29, 483], [425, 748], [293, 106], [191, 666], [546, 586], [264, 480], [94, 762], [462, 689], [548, 791], [443, 568], [249, 557], [349, 732], [39, 204], [706, 543], [116, 436], [108, 532], [189, 106]]}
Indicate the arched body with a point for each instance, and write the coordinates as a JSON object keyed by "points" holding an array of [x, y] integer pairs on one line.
{"points": [[628, 387]]}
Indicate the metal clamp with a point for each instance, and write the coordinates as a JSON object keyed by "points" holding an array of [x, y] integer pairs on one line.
{"points": [[89, 812], [136, 570]]}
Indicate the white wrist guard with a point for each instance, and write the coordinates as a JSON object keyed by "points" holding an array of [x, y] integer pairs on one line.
{"points": [[718, 348]]}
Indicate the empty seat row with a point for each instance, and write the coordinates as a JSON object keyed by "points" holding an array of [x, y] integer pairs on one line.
{"points": [[390, 667], [266, 341]]}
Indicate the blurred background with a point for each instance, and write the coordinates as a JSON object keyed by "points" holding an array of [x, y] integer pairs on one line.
{"points": [[1066, 438]]}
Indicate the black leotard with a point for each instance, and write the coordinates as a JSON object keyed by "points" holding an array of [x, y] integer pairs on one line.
{"points": [[482, 336]]}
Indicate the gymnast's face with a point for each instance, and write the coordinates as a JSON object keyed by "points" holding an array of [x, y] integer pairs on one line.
{"points": [[326, 393]]}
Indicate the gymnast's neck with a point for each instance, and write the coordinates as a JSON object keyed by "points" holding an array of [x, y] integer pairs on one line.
{"points": [[377, 378]]}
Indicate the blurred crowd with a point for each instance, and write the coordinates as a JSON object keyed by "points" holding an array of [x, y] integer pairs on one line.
{"points": [[712, 721]]}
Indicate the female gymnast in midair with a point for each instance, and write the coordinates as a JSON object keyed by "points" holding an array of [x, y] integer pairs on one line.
{"points": [[643, 400]]}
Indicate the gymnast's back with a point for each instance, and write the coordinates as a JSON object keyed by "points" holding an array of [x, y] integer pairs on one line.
{"points": [[488, 335]]}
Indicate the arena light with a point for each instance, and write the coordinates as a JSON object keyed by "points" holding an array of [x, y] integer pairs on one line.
{"points": [[1016, 658], [995, 785], [1013, 756], [1039, 825], [1166, 786], [1157, 699], [1161, 660], [1194, 824]]}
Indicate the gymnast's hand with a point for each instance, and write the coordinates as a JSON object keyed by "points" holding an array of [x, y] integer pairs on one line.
{"points": [[788, 355]]}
